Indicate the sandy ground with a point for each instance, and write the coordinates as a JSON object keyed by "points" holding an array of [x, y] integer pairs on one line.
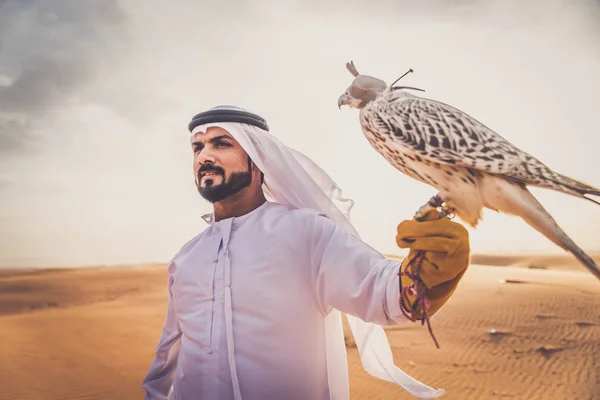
{"points": [[90, 333]]}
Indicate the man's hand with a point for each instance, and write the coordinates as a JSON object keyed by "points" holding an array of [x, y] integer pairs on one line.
{"points": [[446, 257]]}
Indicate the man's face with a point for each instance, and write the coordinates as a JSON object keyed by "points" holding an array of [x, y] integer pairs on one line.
{"points": [[221, 167]]}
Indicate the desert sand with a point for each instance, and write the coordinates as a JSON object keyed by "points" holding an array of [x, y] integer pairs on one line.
{"points": [[517, 328]]}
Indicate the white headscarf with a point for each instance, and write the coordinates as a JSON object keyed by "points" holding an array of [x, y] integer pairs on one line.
{"points": [[292, 178]]}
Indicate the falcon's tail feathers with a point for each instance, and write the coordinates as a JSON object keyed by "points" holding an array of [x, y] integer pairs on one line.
{"points": [[576, 188], [517, 200], [537, 217]]}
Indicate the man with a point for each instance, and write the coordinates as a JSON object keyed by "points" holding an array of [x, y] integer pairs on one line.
{"points": [[255, 300]]}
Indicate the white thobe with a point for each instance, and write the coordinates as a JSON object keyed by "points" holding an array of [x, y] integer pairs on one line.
{"points": [[247, 303]]}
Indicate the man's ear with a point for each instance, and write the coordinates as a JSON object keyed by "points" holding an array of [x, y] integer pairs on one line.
{"points": [[262, 175], [255, 168]]}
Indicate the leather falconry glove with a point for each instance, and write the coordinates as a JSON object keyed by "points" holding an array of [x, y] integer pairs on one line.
{"points": [[446, 257]]}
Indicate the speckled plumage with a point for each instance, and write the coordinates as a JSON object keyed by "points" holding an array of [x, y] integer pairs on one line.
{"points": [[417, 135], [470, 165]]}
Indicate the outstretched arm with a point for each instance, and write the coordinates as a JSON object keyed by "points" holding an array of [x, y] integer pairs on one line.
{"points": [[159, 378], [353, 277], [358, 280]]}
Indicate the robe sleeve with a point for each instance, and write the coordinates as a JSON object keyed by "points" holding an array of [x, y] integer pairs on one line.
{"points": [[353, 277], [161, 374]]}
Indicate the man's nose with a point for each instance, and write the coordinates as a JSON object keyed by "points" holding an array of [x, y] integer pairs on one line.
{"points": [[205, 156]]}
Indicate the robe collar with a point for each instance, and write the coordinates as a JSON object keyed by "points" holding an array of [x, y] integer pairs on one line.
{"points": [[209, 218]]}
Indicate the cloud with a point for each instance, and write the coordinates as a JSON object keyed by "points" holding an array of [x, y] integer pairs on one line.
{"points": [[95, 97], [49, 51]]}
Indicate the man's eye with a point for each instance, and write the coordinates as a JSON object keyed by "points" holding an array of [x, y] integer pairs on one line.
{"points": [[197, 149], [223, 144]]}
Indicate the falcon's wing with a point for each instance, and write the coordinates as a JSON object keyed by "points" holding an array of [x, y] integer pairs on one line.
{"points": [[444, 134]]}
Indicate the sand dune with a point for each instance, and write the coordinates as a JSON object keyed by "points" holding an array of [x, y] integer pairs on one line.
{"points": [[553, 262], [563, 262], [90, 333]]}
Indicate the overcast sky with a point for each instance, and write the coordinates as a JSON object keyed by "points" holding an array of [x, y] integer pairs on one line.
{"points": [[95, 97]]}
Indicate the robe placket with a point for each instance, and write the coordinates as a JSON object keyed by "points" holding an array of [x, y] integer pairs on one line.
{"points": [[225, 228]]}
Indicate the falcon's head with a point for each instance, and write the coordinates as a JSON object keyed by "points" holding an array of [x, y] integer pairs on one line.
{"points": [[363, 89]]}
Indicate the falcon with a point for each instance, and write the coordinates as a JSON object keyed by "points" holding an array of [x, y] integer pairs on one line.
{"points": [[471, 166]]}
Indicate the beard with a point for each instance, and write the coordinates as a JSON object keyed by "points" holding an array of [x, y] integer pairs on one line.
{"points": [[216, 192]]}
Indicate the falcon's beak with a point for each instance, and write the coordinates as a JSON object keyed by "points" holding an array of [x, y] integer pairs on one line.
{"points": [[343, 100]]}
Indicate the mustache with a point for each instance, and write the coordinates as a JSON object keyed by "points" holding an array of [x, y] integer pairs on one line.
{"points": [[210, 168]]}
